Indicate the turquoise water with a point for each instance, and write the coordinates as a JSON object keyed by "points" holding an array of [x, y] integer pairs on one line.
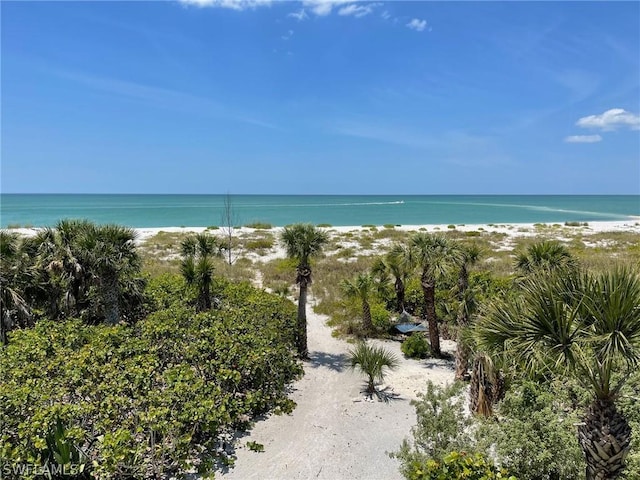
{"points": [[207, 210]]}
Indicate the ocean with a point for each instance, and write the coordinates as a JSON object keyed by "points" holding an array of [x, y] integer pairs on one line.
{"points": [[39, 210]]}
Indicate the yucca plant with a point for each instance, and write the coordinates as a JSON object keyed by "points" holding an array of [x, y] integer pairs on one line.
{"points": [[374, 362]]}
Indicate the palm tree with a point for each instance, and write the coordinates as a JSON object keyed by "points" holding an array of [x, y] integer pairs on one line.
{"points": [[435, 256], [469, 255], [197, 266], [109, 252], [548, 255], [12, 304], [303, 241], [361, 288], [372, 361], [61, 276], [399, 262], [586, 327]]}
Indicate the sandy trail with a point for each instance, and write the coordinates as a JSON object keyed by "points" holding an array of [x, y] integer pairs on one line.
{"points": [[334, 432]]}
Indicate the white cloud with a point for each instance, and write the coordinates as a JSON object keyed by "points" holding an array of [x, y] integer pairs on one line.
{"points": [[324, 7], [301, 15], [287, 35], [416, 24], [232, 4], [611, 120], [358, 10], [385, 15], [583, 138]]}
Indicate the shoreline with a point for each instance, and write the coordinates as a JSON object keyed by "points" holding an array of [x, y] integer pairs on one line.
{"points": [[510, 229]]}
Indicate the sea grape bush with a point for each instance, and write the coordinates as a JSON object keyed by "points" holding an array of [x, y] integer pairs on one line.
{"points": [[151, 399], [457, 466]]}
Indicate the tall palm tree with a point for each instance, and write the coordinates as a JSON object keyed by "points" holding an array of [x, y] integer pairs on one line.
{"points": [[303, 241], [197, 265], [110, 253], [399, 262], [361, 288], [548, 255], [586, 327], [435, 256], [469, 255]]}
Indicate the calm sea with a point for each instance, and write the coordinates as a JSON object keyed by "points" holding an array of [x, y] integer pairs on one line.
{"points": [[207, 210]]}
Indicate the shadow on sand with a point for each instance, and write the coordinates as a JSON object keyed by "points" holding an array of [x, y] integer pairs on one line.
{"points": [[333, 361]]}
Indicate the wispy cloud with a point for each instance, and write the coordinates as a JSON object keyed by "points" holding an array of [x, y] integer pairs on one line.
{"points": [[417, 24], [583, 139], [164, 98], [450, 147], [611, 120], [301, 15], [232, 4], [287, 35], [358, 10], [324, 7]]}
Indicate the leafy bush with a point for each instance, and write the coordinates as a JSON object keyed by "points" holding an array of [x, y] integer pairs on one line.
{"points": [[442, 427], [151, 399], [416, 346], [457, 466], [535, 437], [259, 225], [380, 317]]}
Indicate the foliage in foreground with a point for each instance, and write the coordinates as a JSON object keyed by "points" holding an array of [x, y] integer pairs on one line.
{"points": [[152, 399], [532, 437], [457, 466]]}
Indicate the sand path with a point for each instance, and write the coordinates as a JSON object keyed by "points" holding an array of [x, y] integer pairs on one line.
{"points": [[334, 432]]}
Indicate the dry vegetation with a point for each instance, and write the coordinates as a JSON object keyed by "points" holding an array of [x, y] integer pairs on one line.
{"points": [[261, 261]]}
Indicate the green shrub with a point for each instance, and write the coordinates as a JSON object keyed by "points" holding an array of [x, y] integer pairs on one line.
{"points": [[576, 224], [259, 225], [151, 399], [442, 427], [259, 244], [416, 346], [457, 466], [380, 317], [324, 225], [535, 436]]}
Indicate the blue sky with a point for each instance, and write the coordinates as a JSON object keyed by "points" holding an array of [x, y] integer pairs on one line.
{"points": [[320, 97]]}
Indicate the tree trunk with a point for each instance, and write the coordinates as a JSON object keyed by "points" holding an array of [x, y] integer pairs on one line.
{"points": [[301, 337], [429, 293], [462, 360], [4, 326], [462, 351], [204, 296], [366, 316], [605, 437], [399, 286], [110, 299]]}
